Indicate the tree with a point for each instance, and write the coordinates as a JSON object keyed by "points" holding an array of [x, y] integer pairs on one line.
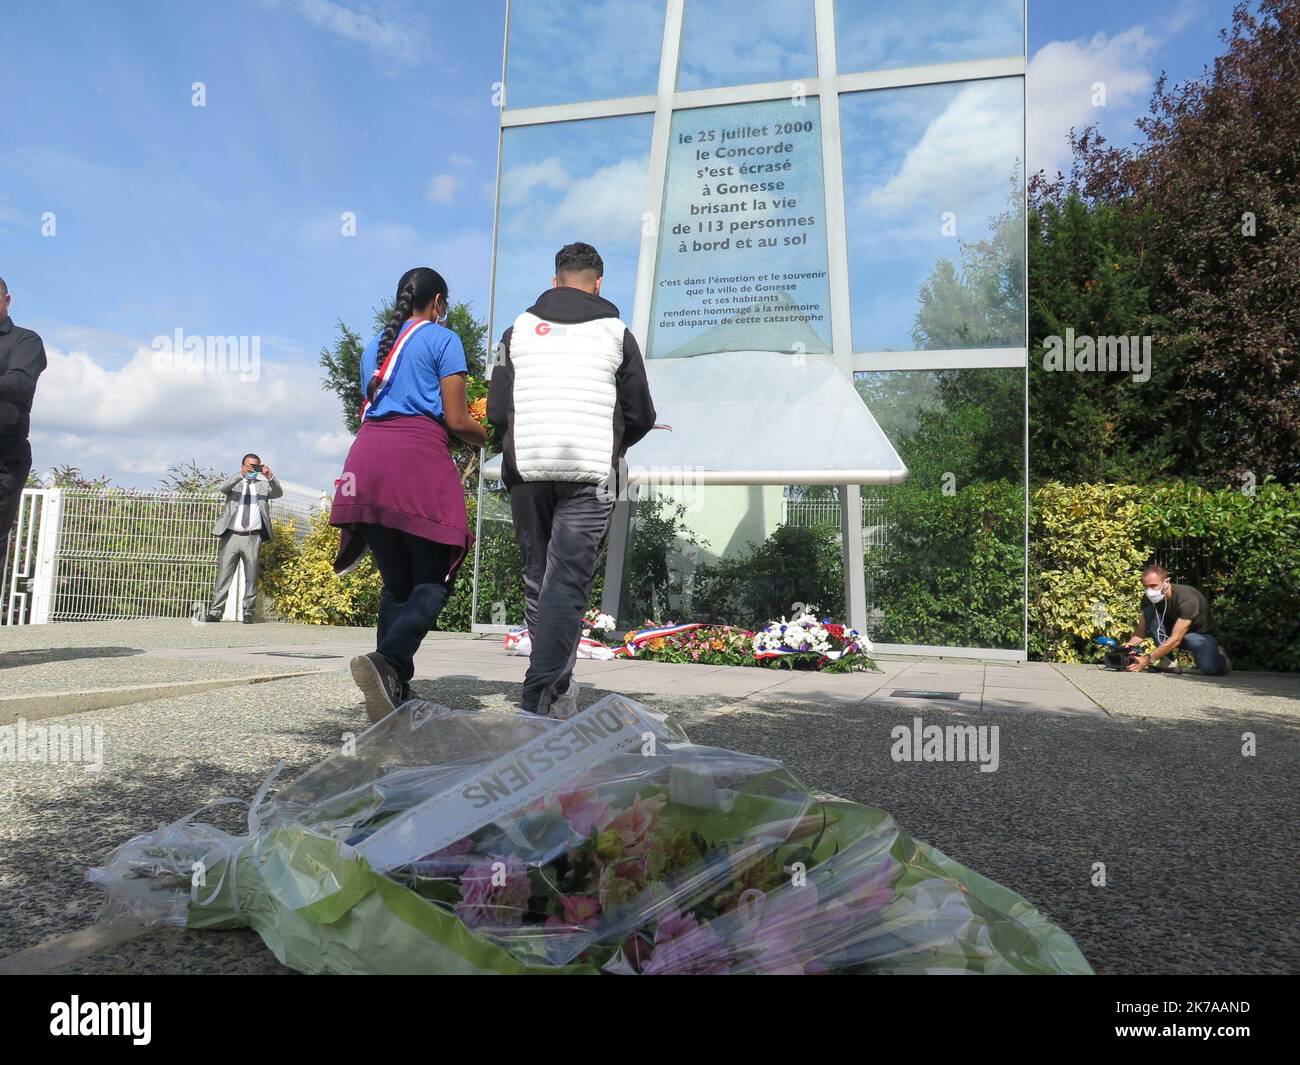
{"points": [[342, 361], [1218, 183], [1092, 271]]}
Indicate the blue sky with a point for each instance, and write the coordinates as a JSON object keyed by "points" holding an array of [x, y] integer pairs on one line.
{"points": [[228, 219]]}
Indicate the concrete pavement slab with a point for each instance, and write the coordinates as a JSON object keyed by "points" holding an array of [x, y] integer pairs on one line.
{"points": [[1198, 840]]}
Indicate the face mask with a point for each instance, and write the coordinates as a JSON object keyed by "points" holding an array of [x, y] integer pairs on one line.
{"points": [[251, 475], [1155, 594]]}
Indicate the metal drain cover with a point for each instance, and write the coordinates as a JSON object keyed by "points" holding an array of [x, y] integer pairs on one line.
{"points": [[909, 693]]}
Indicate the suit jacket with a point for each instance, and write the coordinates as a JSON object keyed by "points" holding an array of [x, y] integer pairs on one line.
{"points": [[233, 489]]}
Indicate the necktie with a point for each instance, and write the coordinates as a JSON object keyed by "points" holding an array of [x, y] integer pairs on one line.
{"points": [[246, 513]]}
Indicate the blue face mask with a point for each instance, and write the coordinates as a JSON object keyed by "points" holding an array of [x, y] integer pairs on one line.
{"points": [[251, 475]]}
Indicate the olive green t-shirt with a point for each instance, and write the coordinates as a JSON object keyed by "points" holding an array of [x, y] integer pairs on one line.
{"points": [[1183, 601]]}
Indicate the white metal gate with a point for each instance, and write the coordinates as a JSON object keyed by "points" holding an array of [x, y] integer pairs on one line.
{"points": [[96, 555], [27, 581]]}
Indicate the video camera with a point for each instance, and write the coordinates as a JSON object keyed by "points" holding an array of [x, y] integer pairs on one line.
{"points": [[1118, 656]]}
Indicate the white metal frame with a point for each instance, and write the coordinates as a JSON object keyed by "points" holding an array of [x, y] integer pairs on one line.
{"points": [[827, 86], [32, 557]]}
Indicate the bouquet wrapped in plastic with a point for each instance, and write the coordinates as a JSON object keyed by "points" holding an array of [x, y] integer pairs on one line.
{"points": [[450, 841]]}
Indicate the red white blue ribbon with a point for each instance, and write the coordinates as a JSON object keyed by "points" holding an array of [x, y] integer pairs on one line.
{"points": [[384, 373], [630, 647]]}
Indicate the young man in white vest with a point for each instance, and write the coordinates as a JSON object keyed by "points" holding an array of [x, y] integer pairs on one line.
{"points": [[569, 396]]}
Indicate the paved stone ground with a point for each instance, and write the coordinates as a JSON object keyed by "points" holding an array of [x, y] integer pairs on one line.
{"points": [[1198, 841]]}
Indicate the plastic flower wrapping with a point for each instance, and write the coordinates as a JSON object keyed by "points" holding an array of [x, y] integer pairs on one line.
{"points": [[454, 841]]}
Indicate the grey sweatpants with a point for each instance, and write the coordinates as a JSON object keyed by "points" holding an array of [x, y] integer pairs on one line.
{"points": [[560, 526], [236, 546]]}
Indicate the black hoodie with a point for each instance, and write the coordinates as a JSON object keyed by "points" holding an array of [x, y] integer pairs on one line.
{"points": [[22, 358], [634, 412]]}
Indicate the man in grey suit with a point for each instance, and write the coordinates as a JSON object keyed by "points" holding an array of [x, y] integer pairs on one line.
{"points": [[244, 524]]}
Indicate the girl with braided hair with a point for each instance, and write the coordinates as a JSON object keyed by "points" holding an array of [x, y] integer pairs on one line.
{"points": [[400, 494]]}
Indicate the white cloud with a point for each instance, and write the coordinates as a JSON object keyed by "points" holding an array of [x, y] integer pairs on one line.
{"points": [[604, 201], [388, 39], [10, 216], [968, 148], [1186, 14], [1059, 89], [442, 188], [519, 182], [134, 421]]}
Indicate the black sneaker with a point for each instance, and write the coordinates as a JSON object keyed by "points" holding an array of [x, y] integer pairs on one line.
{"points": [[379, 683]]}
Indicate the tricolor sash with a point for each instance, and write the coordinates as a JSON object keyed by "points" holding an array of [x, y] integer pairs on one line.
{"points": [[384, 374]]}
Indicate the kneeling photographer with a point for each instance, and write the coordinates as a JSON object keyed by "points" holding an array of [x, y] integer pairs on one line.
{"points": [[1175, 615]]}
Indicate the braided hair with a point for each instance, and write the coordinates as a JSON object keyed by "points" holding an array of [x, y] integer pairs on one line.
{"points": [[417, 288]]}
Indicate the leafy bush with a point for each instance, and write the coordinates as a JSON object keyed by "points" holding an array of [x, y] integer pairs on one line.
{"points": [[953, 571], [654, 584], [1087, 545], [794, 565], [299, 577], [1252, 546]]}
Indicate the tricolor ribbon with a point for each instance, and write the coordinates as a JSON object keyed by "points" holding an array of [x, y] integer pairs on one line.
{"points": [[384, 373]]}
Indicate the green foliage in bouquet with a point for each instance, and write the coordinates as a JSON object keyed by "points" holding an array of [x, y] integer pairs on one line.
{"points": [[709, 645], [676, 859]]}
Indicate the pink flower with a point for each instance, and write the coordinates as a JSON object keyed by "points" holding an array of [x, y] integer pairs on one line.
{"points": [[635, 823], [684, 947], [579, 910], [582, 809], [494, 892], [779, 930]]}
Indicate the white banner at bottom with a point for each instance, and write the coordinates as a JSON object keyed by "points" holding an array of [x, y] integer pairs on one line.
{"points": [[540, 767]]}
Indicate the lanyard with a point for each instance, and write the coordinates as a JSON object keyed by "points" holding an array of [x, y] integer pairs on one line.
{"points": [[384, 373]]}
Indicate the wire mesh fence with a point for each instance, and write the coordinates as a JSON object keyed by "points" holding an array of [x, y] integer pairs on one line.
{"points": [[127, 555], [118, 554], [825, 513]]}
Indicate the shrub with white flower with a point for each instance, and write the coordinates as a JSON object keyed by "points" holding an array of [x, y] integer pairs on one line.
{"points": [[595, 621]]}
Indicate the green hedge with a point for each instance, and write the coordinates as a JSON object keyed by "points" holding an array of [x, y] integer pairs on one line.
{"points": [[951, 575], [953, 572]]}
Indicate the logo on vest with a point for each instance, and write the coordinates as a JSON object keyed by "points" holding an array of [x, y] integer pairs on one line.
{"points": [[546, 328]]}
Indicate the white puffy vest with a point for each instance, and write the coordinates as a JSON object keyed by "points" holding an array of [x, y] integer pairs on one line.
{"points": [[564, 397]]}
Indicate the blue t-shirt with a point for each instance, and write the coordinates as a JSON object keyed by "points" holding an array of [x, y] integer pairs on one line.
{"points": [[433, 353]]}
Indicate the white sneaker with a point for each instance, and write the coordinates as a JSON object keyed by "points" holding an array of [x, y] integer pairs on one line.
{"points": [[566, 705]]}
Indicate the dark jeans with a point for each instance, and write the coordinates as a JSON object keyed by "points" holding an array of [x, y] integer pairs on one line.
{"points": [[1206, 653], [415, 591], [560, 526], [15, 465]]}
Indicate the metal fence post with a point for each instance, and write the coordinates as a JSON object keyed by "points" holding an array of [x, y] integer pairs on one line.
{"points": [[47, 557]]}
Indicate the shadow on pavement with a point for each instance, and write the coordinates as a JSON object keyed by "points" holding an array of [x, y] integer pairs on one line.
{"points": [[39, 655]]}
